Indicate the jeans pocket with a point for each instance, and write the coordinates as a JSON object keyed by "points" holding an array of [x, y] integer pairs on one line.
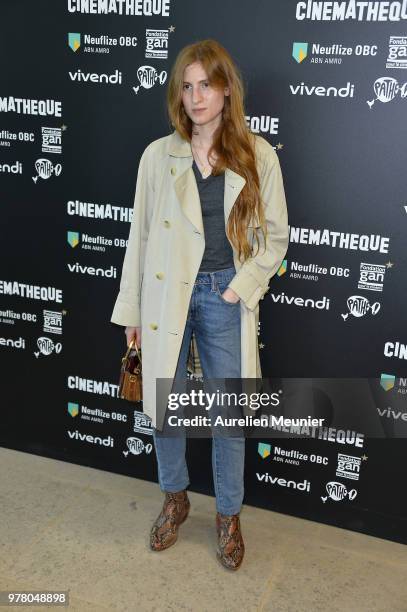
{"points": [[220, 288]]}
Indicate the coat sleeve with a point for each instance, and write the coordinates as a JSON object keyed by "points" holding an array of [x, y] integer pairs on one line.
{"points": [[251, 280], [127, 306]]}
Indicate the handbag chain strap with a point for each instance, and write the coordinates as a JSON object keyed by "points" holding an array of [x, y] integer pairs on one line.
{"points": [[138, 350]]}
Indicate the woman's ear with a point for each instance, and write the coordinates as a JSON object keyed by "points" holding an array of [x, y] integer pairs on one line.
{"points": [[227, 91]]}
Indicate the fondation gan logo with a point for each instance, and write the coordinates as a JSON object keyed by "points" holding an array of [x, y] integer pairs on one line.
{"points": [[397, 55], [372, 276]]}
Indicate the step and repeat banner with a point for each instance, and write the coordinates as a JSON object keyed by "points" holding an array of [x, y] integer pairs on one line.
{"points": [[82, 94]]}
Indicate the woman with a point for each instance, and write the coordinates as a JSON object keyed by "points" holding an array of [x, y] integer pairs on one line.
{"points": [[209, 230]]}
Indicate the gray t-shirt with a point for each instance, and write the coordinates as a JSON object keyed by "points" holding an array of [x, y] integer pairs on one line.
{"points": [[218, 253]]}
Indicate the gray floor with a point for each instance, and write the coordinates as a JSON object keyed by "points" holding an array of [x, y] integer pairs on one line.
{"points": [[66, 527]]}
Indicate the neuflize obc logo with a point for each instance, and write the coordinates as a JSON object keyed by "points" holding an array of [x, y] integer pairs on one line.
{"points": [[264, 449], [73, 238], [387, 381], [300, 51], [73, 409], [283, 268], [74, 40]]}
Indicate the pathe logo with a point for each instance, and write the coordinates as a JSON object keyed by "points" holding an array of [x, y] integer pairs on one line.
{"points": [[387, 89], [45, 169], [337, 492], [387, 381], [47, 347], [148, 77], [74, 40], [300, 51], [73, 239], [358, 306], [137, 446]]}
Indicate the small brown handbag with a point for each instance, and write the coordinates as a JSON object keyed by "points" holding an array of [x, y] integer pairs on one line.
{"points": [[130, 384]]}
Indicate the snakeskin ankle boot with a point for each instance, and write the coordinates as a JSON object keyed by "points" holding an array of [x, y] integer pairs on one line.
{"points": [[164, 532], [230, 550]]}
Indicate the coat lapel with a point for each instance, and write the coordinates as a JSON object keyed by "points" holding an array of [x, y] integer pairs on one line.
{"points": [[186, 188]]}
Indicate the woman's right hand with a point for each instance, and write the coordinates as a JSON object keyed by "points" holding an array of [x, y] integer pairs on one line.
{"points": [[131, 332]]}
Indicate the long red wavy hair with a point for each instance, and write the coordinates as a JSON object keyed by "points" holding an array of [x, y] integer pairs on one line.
{"points": [[233, 143]]}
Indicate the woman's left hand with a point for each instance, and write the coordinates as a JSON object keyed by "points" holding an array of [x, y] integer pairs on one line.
{"points": [[230, 296]]}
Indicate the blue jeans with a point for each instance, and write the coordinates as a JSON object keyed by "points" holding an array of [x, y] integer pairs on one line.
{"points": [[216, 324]]}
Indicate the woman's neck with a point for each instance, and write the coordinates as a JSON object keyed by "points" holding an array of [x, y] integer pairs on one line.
{"points": [[202, 135]]}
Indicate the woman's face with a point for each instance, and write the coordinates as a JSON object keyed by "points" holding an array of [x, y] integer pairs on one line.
{"points": [[202, 103]]}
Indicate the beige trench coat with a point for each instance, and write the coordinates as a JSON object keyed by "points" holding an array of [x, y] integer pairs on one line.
{"points": [[165, 250]]}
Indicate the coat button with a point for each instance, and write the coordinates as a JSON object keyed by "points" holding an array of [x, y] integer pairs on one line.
{"points": [[160, 275], [153, 325], [167, 223], [173, 171]]}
